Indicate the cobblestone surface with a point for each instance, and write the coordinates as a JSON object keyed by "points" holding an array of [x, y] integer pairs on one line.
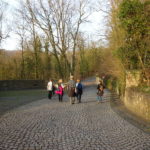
{"points": [[51, 125]]}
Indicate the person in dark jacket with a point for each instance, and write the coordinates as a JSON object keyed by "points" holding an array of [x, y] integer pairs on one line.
{"points": [[79, 90], [71, 90], [100, 91]]}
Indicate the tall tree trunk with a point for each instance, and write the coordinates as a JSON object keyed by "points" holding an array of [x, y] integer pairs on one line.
{"points": [[22, 63]]}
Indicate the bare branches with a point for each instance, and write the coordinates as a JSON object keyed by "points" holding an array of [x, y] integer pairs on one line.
{"points": [[4, 31], [59, 21]]}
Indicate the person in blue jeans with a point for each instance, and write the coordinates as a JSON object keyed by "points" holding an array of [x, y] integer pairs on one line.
{"points": [[100, 92], [79, 90]]}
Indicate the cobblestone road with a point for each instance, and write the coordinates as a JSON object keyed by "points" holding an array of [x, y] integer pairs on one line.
{"points": [[50, 125]]}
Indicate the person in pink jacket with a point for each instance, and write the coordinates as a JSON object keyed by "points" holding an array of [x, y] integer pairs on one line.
{"points": [[60, 92]]}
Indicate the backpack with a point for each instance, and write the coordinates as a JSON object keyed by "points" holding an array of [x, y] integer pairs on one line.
{"points": [[79, 87]]}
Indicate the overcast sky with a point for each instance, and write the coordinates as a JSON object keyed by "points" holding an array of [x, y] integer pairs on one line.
{"points": [[96, 26]]}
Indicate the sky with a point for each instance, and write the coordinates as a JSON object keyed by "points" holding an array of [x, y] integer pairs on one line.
{"points": [[96, 26], [11, 42]]}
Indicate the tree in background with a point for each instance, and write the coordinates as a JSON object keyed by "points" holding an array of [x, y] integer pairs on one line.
{"points": [[51, 42], [128, 38], [134, 17], [60, 22], [53, 46], [20, 30], [4, 29]]}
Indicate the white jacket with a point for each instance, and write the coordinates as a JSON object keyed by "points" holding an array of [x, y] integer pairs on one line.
{"points": [[50, 86]]}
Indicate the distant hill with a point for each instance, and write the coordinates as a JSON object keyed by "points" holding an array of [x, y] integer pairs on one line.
{"points": [[9, 53]]}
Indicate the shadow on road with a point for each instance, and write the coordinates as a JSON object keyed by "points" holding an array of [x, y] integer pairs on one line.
{"points": [[127, 115], [12, 99]]}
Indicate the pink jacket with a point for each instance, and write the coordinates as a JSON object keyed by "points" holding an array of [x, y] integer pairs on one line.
{"points": [[60, 90]]}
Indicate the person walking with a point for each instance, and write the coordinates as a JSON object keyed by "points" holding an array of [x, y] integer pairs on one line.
{"points": [[79, 90], [71, 90], [60, 92], [53, 88], [50, 88], [61, 82], [104, 81], [100, 91]]}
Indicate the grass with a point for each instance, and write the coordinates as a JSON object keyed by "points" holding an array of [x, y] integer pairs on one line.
{"points": [[12, 99]]}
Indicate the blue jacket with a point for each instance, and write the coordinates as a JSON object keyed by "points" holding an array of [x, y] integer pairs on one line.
{"points": [[79, 88]]}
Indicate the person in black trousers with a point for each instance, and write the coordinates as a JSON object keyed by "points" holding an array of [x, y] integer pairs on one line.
{"points": [[100, 91], [79, 90], [60, 92], [50, 88]]}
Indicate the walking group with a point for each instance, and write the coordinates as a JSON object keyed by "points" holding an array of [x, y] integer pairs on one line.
{"points": [[74, 89]]}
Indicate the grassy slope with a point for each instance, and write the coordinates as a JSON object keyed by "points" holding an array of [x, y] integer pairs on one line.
{"points": [[13, 99]]}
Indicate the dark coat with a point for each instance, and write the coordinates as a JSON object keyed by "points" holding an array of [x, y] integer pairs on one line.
{"points": [[79, 89], [100, 85], [100, 92], [71, 88], [71, 92], [100, 88]]}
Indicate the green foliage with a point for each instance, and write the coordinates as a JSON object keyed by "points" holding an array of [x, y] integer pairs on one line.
{"points": [[116, 84], [134, 17], [89, 61]]}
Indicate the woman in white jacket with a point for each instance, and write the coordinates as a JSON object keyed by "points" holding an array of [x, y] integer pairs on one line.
{"points": [[50, 89]]}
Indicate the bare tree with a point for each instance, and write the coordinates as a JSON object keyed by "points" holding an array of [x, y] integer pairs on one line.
{"points": [[3, 26], [82, 17], [30, 27], [20, 30], [60, 21]]}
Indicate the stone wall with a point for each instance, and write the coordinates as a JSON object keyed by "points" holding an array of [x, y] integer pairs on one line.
{"points": [[132, 98], [132, 78], [137, 102], [22, 84]]}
